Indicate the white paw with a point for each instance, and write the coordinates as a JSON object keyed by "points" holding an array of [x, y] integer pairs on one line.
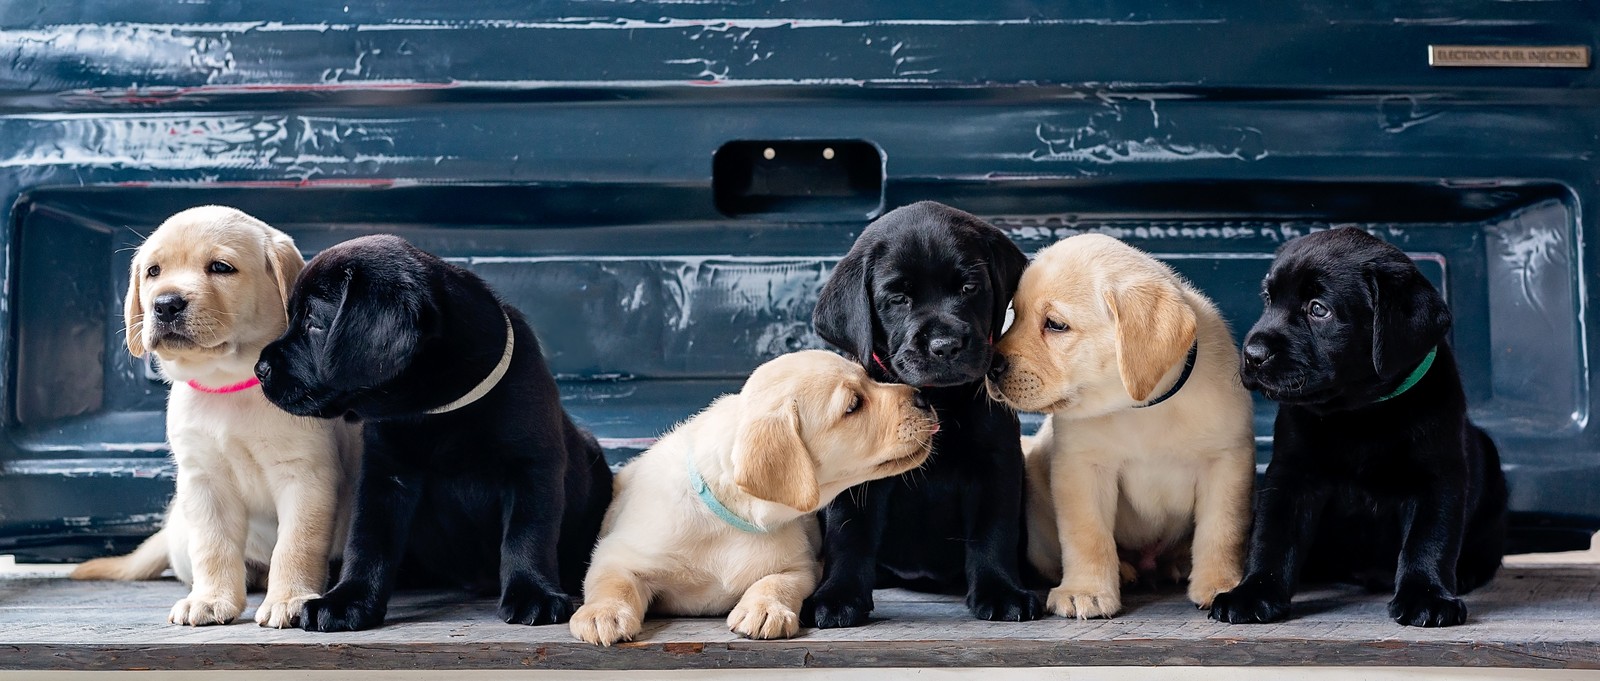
{"points": [[1085, 603], [764, 619], [605, 622], [199, 611], [281, 613], [1203, 588]]}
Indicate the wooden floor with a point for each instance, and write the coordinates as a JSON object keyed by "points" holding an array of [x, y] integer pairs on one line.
{"points": [[1537, 617]]}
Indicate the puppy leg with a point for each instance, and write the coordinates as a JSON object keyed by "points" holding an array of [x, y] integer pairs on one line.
{"points": [[614, 605], [386, 501], [1222, 514], [769, 608], [852, 532], [1044, 549], [1288, 507], [306, 507], [992, 511], [216, 520], [1425, 583], [1086, 508], [530, 569]]}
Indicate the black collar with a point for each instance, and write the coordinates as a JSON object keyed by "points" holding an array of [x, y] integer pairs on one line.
{"points": [[1188, 368]]}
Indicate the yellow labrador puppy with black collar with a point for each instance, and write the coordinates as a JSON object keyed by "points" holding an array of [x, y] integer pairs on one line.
{"points": [[1146, 461], [716, 517], [259, 490]]}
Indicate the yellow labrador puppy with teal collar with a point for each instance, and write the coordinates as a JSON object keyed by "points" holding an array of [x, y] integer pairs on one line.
{"points": [[716, 517]]}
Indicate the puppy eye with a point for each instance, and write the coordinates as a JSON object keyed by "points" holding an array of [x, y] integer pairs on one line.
{"points": [[1318, 310], [153, 271], [219, 267], [1053, 325], [855, 403], [899, 299], [969, 289]]}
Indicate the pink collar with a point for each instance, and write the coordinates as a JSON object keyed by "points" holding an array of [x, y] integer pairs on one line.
{"points": [[241, 385]]}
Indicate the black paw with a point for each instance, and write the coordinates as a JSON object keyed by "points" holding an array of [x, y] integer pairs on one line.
{"points": [[832, 611], [1250, 603], [1427, 607], [1004, 604], [528, 604], [343, 611]]}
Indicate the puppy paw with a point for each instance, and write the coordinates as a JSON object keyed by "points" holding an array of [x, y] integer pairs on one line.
{"points": [[605, 622], [531, 605], [281, 613], [1427, 607], [831, 611], [1084, 602], [200, 610], [342, 611], [1250, 603], [763, 619], [1004, 604], [1203, 588]]}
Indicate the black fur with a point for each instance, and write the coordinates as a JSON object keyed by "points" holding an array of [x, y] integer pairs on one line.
{"points": [[383, 332], [954, 524], [1403, 494]]}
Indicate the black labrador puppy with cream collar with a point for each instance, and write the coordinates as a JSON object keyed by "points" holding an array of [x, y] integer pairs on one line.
{"points": [[1377, 476], [919, 299], [473, 475]]}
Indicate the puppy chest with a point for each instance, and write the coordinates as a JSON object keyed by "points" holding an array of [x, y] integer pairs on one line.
{"points": [[1155, 502]]}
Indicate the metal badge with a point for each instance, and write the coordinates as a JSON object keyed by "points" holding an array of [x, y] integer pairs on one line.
{"points": [[1524, 56]]}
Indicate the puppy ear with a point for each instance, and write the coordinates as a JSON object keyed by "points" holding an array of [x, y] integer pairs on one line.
{"points": [[1006, 263], [1409, 317], [1155, 329], [133, 311], [771, 462], [285, 263], [373, 334], [844, 314]]}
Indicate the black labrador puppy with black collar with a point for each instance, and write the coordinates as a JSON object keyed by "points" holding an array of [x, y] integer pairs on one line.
{"points": [[1377, 476], [473, 475], [918, 300]]}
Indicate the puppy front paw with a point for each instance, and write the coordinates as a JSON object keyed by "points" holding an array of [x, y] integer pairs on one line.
{"points": [[834, 610], [1004, 604], [1084, 602], [342, 610], [532, 605], [605, 622], [1203, 588], [279, 612], [764, 618], [1250, 603], [198, 610], [1427, 607]]}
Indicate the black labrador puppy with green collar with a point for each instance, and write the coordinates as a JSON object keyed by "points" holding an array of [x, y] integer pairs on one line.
{"points": [[1377, 476], [473, 475]]}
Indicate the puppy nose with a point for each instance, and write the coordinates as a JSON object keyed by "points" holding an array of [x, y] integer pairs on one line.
{"points": [[944, 346], [263, 370], [919, 400], [168, 306], [998, 367], [1256, 352]]}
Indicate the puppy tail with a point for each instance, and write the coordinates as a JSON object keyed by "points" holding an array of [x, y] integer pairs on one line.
{"points": [[146, 562]]}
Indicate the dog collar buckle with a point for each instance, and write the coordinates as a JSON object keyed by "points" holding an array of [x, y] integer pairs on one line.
{"points": [[715, 505], [1188, 368], [487, 384]]}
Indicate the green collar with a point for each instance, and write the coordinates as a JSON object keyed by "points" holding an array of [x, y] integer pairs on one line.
{"points": [[713, 504], [1414, 378]]}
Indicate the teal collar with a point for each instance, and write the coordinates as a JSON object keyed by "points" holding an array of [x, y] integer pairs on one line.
{"points": [[709, 498], [1414, 378]]}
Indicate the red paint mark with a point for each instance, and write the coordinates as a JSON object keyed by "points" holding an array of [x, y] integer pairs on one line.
{"points": [[683, 648]]}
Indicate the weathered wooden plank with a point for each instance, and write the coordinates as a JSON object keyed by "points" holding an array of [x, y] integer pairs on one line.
{"points": [[1536, 617]]}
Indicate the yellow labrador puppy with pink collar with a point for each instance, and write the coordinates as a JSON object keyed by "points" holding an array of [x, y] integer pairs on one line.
{"points": [[259, 490], [1145, 464], [716, 517]]}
